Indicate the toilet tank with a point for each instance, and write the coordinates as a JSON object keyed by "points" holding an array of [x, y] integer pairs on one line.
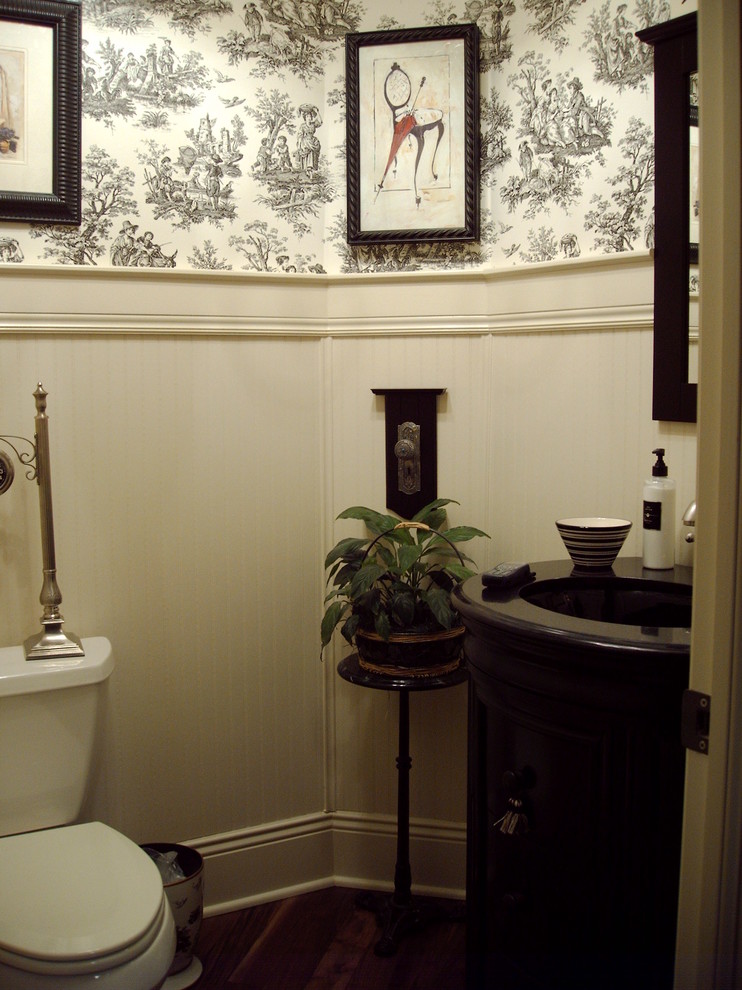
{"points": [[48, 718]]}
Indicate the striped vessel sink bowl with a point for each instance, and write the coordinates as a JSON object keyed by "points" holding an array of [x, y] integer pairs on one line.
{"points": [[593, 542]]}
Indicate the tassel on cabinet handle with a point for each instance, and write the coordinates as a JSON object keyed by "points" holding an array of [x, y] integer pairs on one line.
{"points": [[515, 820]]}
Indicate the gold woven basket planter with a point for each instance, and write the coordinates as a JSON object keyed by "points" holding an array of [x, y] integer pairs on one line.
{"points": [[411, 654]]}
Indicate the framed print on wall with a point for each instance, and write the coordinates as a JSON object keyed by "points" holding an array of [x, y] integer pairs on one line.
{"points": [[412, 134], [40, 107], [693, 189]]}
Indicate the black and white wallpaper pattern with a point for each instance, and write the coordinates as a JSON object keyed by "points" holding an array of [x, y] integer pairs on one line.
{"points": [[214, 132]]}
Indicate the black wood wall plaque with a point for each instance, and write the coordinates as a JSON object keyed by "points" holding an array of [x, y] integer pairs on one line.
{"points": [[411, 472]]}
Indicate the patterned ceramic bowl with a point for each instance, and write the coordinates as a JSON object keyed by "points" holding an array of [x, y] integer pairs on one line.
{"points": [[593, 542]]}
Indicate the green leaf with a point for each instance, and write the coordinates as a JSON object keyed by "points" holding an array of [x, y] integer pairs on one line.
{"points": [[334, 569], [436, 519], [382, 626], [369, 603], [350, 627], [443, 579], [385, 554], [344, 548], [460, 534], [377, 522], [403, 608], [402, 536], [430, 508], [332, 616], [439, 603], [345, 575], [460, 572], [365, 578], [408, 556]]}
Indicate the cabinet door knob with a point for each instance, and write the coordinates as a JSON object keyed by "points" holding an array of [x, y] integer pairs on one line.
{"points": [[516, 781], [513, 900], [512, 781]]}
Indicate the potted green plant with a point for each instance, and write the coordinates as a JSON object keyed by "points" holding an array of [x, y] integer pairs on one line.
{"points": [[390, 593]]}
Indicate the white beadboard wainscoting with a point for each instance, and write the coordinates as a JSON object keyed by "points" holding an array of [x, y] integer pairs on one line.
{"points": [[205, 434]]}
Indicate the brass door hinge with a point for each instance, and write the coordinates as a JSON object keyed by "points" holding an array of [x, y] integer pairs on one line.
{"points": [[696, 721]]}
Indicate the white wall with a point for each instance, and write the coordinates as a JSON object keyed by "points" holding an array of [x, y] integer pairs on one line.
{"points": [[197, 475]]}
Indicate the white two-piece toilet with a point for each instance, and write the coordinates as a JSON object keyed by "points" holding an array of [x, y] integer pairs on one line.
{"points": [[81, 906]]}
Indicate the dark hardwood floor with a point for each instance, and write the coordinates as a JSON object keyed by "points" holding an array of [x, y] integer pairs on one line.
{"points": [[324, 941]]}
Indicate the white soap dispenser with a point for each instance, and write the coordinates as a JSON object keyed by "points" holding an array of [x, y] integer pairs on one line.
{"points": [[659, 517]]}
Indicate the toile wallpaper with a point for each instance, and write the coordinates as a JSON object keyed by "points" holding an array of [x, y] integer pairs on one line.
{"points": [[213, 135]]}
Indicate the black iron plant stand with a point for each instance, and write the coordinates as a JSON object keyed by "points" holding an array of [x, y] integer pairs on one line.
{"points": [[400, 912]]}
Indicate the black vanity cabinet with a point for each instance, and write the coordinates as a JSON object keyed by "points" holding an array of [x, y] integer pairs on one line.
{"points": [[575, 795]]}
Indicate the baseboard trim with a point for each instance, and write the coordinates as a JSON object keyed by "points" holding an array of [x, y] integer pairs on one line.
{"points": [[281, 859]]}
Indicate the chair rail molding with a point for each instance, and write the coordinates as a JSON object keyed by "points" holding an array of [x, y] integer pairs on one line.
{"points": [[606, 293]]}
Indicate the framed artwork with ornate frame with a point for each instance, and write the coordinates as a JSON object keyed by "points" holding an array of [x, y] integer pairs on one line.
{"points": [[40, 111], [412, 134]]}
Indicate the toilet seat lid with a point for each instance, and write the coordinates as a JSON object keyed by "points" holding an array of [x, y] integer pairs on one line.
{"points": [[77, 892]]}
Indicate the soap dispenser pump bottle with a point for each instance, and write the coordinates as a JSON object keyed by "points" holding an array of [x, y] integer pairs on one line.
{"points": [[659, 517]]}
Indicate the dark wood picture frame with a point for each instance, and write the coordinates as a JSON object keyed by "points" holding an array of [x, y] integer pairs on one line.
{"points": [[675, 58], [405, 84], [693, 181], [61, 201]]}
